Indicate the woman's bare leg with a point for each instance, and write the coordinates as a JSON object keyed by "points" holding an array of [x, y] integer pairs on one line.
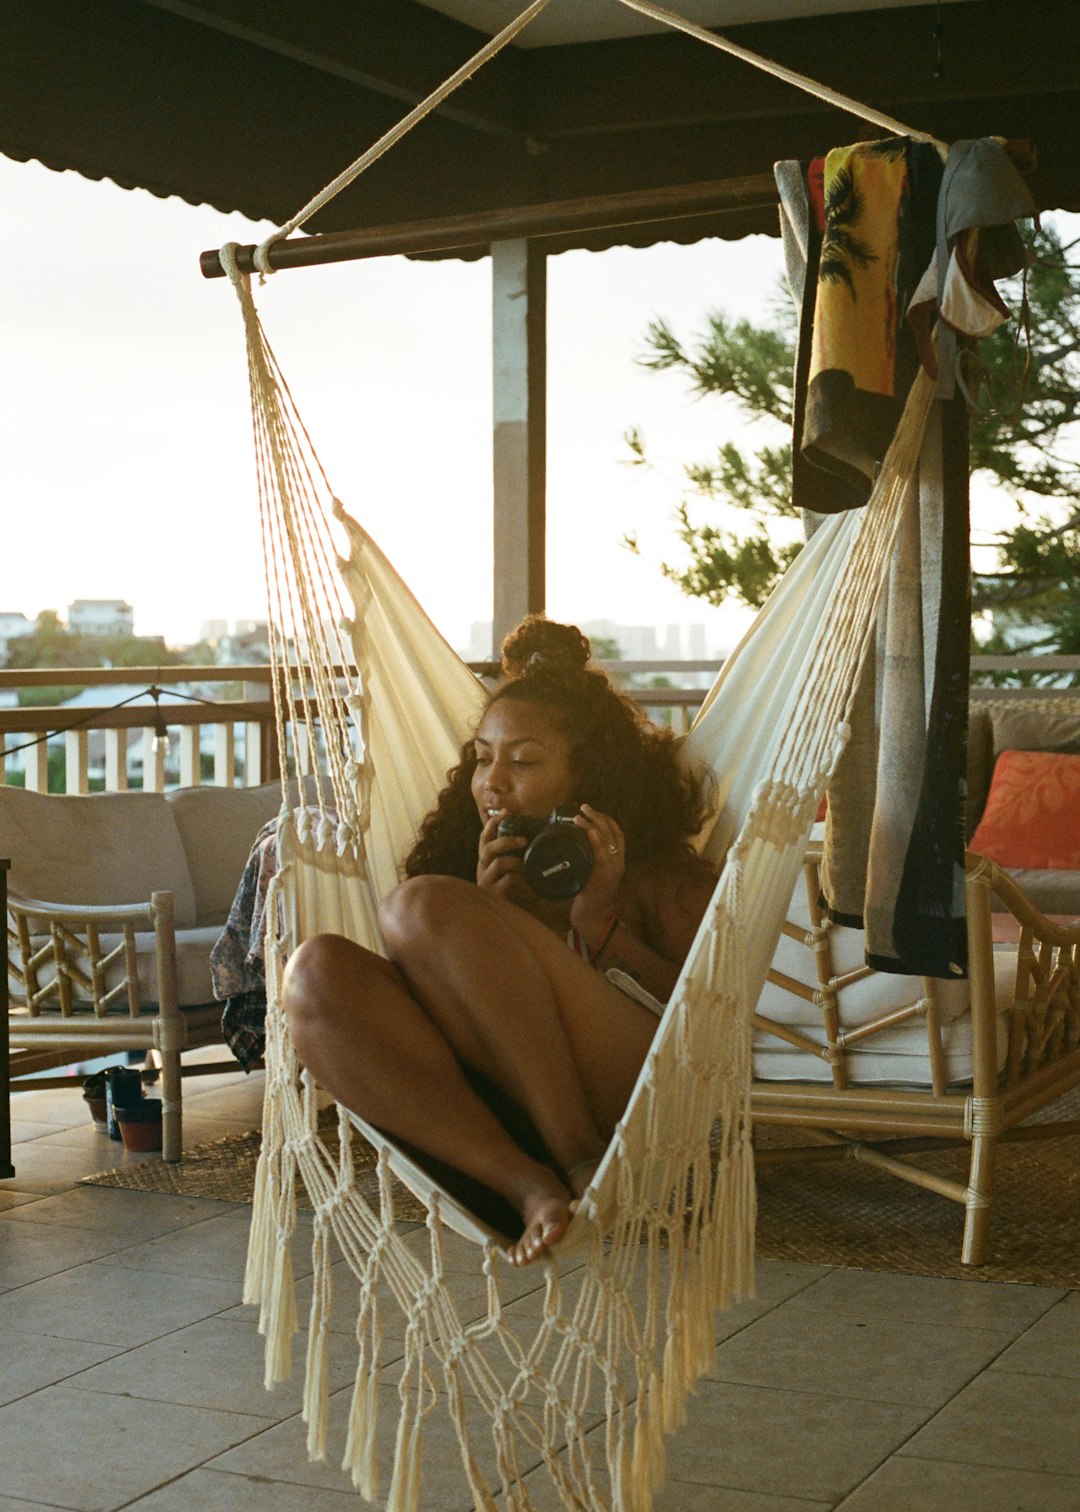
{"points": [[365, 1039], [486, 985], [517, 1005], [521, 1008]]}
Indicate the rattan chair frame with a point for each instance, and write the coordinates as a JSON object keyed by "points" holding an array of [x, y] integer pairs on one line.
{"points": [[880, 1125], [69, 1015]]}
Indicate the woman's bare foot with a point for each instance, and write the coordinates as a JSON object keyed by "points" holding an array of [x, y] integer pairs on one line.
{"points": [[546, 1211]]}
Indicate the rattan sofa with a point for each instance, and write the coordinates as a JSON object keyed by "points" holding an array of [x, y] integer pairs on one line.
{"points": [[114, 903]]}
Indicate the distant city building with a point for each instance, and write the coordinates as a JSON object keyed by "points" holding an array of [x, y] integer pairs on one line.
{"points": [[15, 624], [479, 645], [12, 627], [100, 617], [249, 641], [635, 642], [245, 640]]}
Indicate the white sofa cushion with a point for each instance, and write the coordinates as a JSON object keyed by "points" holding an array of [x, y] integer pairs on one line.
{"points": [[897, 1056], [96, 848], [863, 1001], [217, 827], [894, 1057]]}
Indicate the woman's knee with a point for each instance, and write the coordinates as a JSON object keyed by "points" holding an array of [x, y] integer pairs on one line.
{"points": [[420, 908], [324, 979]]}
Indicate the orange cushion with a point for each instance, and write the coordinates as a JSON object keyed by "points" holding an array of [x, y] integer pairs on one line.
{"points": [[1032, 814]]}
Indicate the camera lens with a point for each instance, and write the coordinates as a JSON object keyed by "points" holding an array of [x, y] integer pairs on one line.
{"points": [[559, 861], [520, 824]]}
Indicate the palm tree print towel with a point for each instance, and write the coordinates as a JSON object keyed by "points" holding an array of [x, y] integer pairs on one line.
{"points": [[874, 210]]}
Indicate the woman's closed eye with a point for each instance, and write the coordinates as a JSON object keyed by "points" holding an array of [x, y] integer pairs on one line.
{"points": [[485, 759]]}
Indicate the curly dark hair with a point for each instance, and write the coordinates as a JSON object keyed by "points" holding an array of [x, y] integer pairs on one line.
{"points": [[627, 767]]}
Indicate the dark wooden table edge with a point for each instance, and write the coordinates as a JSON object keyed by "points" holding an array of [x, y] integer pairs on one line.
{"points": [[6, 1167]]}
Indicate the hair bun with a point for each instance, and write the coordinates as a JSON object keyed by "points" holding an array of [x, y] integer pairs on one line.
{"points": [[540, 644]]}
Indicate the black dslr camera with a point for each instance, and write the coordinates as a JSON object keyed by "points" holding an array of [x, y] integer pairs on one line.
{"points": [[558, 860]]}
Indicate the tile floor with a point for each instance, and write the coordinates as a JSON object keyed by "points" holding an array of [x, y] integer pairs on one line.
{"points": [[131, 1375]]}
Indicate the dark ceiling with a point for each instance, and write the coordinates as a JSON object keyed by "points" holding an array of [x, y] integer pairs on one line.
{"points": [[253, 105]]}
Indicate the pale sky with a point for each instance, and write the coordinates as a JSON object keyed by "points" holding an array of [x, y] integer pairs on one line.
{"points": [[126, 460]]}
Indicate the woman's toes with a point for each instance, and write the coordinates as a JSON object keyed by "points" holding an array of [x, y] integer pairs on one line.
{"points": [[547, 1217]]}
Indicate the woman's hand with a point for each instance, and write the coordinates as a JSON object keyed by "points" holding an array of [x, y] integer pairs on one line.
{"points": [[591, 910], [498, 862]]}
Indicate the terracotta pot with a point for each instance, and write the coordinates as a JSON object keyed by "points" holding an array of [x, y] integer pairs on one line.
{"points": [[140, 1125], [98, 1112]]}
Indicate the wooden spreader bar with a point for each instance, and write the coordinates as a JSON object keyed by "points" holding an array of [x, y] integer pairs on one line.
{"points": [[555, 218]]}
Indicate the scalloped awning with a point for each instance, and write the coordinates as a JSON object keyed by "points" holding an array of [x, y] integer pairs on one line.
{"points": [[251, 105]]}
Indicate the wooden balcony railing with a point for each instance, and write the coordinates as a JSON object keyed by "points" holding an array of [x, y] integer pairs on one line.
{"points": [[224, 733]]}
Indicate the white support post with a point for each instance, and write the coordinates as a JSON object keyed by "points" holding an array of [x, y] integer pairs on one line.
{"points": [[153, 764], [116, 775], [76, 761], [37, 767], [253, 754], [224, 754], [519, 439], [190, 755]]}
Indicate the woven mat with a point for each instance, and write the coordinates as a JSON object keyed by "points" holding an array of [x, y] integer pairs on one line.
{"points": [[224, 1169], [827, 1213]]}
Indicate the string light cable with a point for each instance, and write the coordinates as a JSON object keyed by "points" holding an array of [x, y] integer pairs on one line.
{"points": [[157, 719]]}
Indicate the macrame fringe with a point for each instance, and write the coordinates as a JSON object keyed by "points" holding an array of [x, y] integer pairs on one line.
{"points": [[263, 1238], [361, 1462], [649, 1461], [261, 1234], [316, 1403], [482, 1498], [404, 1493], [279, 1320]]}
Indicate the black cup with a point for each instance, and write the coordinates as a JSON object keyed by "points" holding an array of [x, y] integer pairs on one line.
{"points": [[123, 1087]]}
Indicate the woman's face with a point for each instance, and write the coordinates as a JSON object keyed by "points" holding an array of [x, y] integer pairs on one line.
{"points": [[522, 762]]}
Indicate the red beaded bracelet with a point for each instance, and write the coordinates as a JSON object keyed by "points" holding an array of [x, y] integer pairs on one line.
{"points": [[609, 929]]}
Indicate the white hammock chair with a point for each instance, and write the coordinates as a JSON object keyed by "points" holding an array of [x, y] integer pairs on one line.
{"points": [[666, 1228]]}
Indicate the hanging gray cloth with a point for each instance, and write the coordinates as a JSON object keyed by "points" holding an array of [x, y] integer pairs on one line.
{"points": [[982, 189], [894, 854]]}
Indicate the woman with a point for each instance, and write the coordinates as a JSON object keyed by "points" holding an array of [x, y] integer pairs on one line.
{"points": [[483, 1042]]}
